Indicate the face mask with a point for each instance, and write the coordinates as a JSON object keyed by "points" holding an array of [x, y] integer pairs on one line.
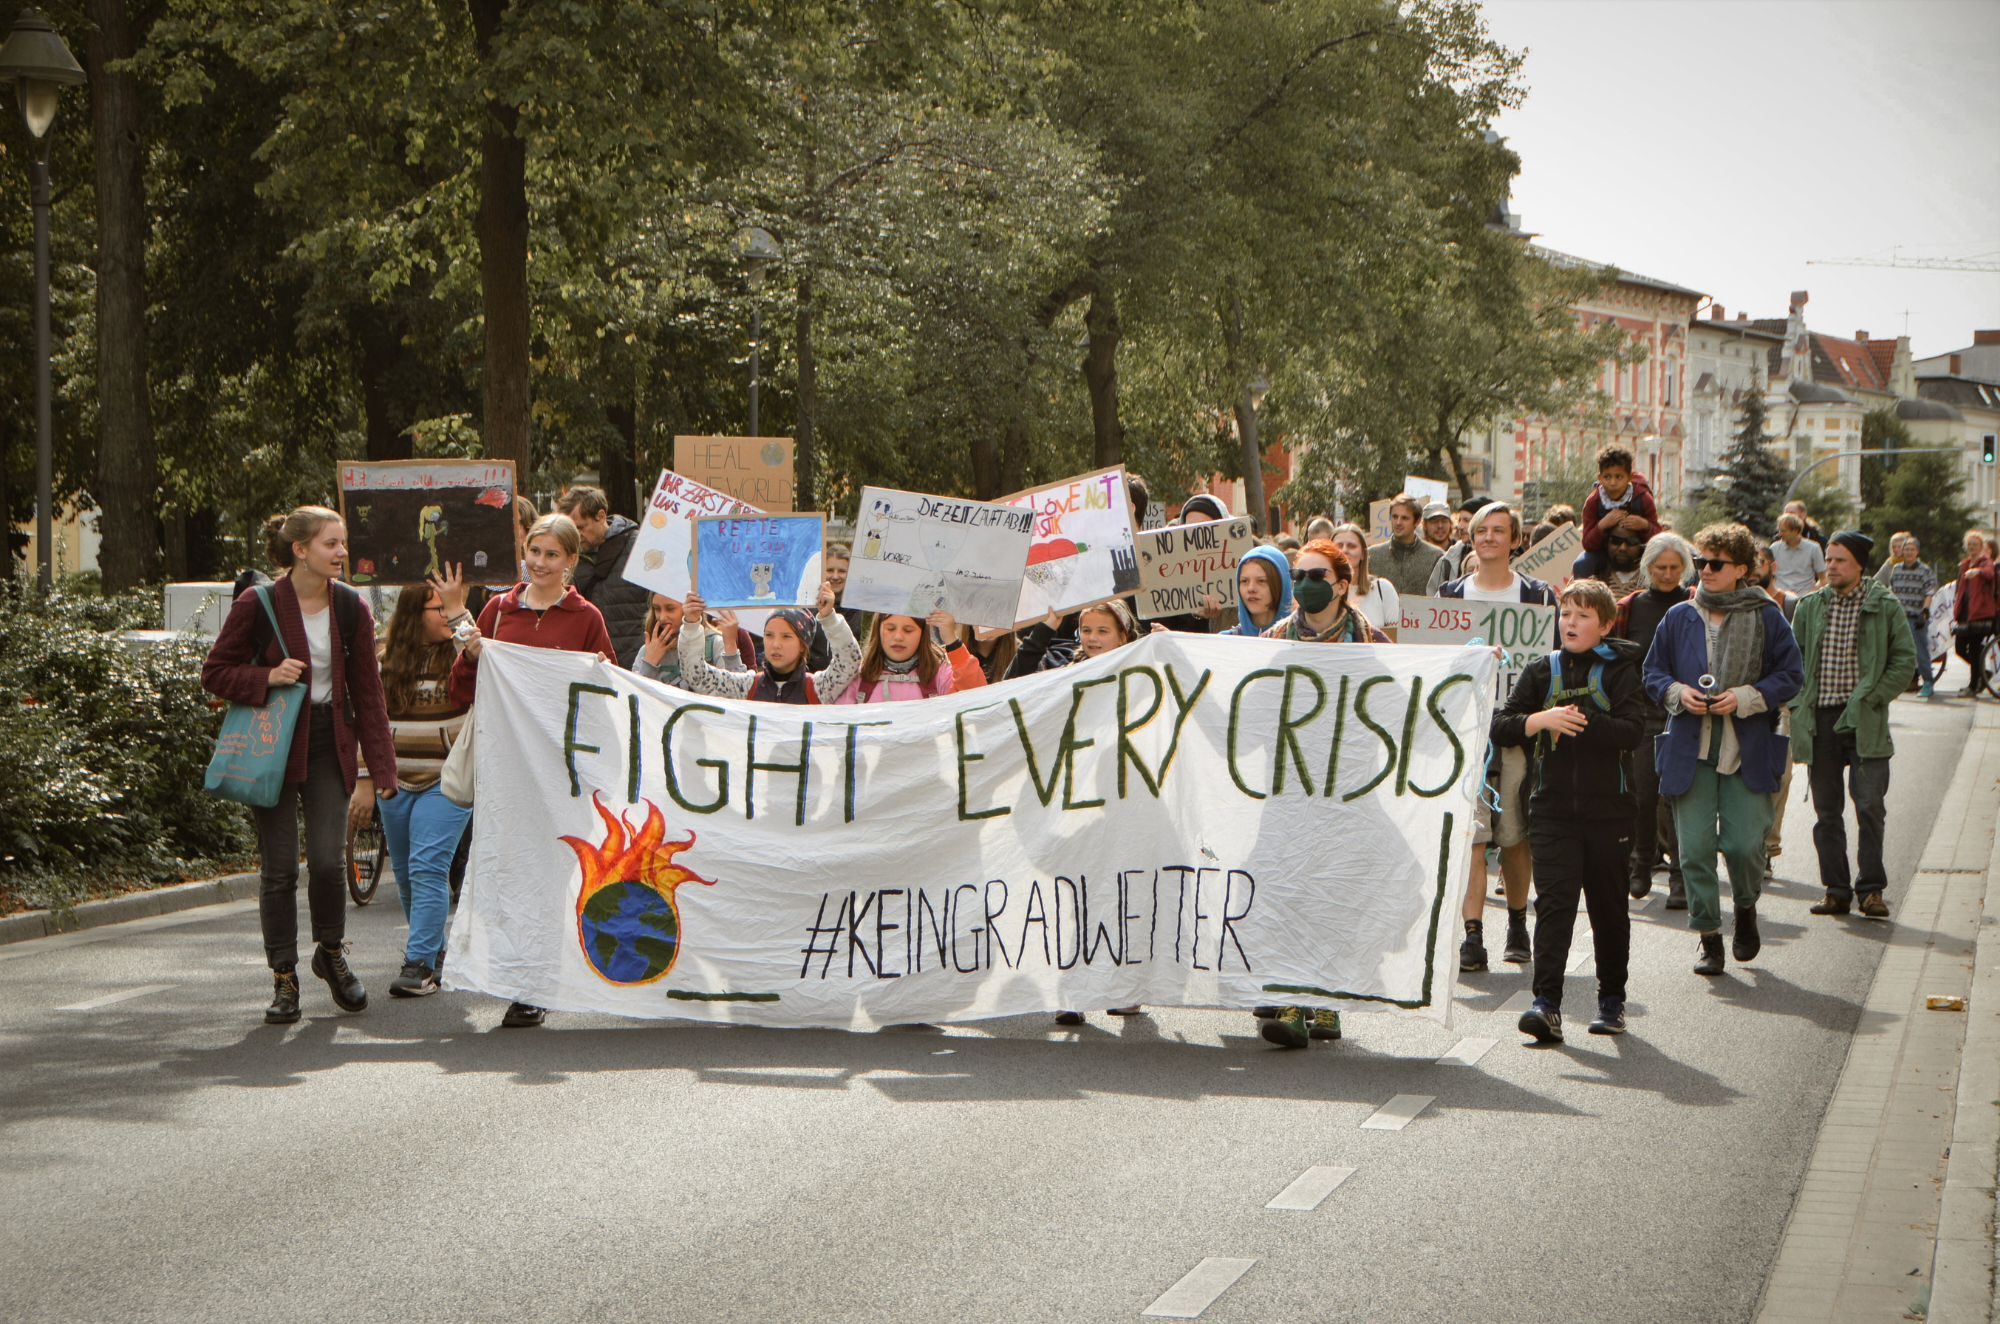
{"points": [[1313, 595]]}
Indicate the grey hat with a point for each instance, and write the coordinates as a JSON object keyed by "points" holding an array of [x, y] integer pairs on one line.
{"points": [[1435, 509]]}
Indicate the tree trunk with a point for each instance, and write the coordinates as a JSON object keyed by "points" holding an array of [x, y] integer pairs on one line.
{"points": [[501, 225], [1250, 453], [985, 467], [128, 479], [804, 458], [617, 471], [1014, 454], [1100, 375], [381, 350]]}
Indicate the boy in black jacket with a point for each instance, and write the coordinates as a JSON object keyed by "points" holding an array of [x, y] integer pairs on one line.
{"points": [[1580, 732]]}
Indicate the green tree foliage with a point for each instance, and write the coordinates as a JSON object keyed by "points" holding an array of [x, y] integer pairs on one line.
{"points": [[1748, 486], [1924, 495]]}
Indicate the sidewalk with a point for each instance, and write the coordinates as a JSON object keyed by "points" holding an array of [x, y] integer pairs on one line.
{"points": [[1895, 1216]]}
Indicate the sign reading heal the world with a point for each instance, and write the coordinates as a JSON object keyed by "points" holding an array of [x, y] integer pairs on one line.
{"points": [[755, 470], [1180, 565], [914, 553], [1521, 630], [1185, 821]]}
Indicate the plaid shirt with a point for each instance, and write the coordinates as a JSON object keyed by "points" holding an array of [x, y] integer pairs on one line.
{"points": [[1912, 584], [1839, 662]]}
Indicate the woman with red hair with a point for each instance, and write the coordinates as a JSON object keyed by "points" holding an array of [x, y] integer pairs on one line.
{"points": [[1320, 611]]}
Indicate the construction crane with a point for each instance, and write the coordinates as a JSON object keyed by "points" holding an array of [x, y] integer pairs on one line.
{"points": [[1895, 259]]}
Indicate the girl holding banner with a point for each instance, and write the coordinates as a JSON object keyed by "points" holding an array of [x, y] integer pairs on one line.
{"points": [[904, 660], [543, 612], [788, 638]]}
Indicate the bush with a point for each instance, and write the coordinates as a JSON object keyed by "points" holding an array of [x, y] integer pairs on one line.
{"points": [[103, 745]]}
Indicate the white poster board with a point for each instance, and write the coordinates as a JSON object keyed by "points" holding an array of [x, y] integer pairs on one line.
{"points": [[662, 555], [1293, 827], [1178, 564], [915, 553], [1523, 630], [1553, 559], [1426, 490], [1082, 547], [1940, 622]]}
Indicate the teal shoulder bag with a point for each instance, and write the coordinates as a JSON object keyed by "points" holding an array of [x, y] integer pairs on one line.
{"points": [[255, 743]]}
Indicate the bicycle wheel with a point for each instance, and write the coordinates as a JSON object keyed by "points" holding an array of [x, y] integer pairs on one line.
{"points": [[367, 849], [1993, 660]]}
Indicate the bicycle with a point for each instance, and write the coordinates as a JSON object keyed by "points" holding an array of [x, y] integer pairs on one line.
{"points": [[367, 852]]}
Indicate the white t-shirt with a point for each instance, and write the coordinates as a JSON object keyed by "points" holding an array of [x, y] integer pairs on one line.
{"points": [[1511, 593], [319, 643], [1381, 604]]}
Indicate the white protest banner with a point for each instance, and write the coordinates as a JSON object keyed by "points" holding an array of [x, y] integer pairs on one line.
{"points": [[662, 555], [1552, 559], [1082, 548], [1524, 630], [1178, 565], [1185, 821], [914, 553], [1940, 622]]}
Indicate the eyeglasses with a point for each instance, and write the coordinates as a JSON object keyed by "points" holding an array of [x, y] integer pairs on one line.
{"points": [[1713, 563], [1318, 572]]}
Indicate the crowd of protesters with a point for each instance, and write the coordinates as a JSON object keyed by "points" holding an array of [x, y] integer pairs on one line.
{"points": [[1692, 673]]}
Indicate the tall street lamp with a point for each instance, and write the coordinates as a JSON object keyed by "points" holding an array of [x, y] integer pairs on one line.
{"points": [[37, 63], [758, 250]]}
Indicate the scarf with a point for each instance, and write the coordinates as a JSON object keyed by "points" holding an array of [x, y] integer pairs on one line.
{"points": [[1346, 630], [891, 667], [794, 686], [1738, 647]]}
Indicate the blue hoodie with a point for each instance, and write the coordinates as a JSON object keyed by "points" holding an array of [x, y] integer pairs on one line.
{"points": [[1244, 625]]}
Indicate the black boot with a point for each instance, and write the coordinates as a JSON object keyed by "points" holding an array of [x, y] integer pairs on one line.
{"points": [[1711, 955], [330, 964], [284, 1008], [1472, 952], [1519, 950], [1746, 943]]}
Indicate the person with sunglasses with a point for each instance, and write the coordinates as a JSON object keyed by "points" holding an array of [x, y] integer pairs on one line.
{"points": [[1723, 665], [1320, 614]]}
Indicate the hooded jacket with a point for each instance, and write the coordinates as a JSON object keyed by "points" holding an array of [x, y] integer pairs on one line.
{"points": [[1276, 558], [1587, 775], [600, 577]]}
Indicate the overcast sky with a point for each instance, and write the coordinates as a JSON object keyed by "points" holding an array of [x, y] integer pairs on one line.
{"points": [[1719, 144]]}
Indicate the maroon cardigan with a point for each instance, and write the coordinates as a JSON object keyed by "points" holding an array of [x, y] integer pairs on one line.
{"points": [[232, 673], [572, 625]]}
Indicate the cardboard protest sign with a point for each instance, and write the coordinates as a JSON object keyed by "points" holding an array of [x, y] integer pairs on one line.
{"points": [[1177, 565], [755, 470], [1940, 622], [915, 553], [1082, 549], [662, 555], [759, 560], [1378, 520], [1187, 821], [1523, 629], [408, 519], [1552, 559]]}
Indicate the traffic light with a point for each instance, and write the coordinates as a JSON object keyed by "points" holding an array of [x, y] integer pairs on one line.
{"points": [[1986, 448]]}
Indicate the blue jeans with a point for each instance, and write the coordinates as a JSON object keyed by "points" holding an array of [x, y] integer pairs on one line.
{"points": [[423, 829], [1920, 631]]}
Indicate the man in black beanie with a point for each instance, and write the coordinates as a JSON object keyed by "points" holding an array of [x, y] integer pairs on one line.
{"points": [[1858, 656]]}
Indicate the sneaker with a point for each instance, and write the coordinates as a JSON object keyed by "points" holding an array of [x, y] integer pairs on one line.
{"points": [[1265, 1013], [1746, 943], [1711, 955], [1519, 949], [1542, 1023], [1830, 904], [1472, 952], [417, 981], [330, 964], [1069, 1018], [1287, 1029], [1924, 690], [1873, 906], [1677, 894], [1610, 1017], [284, 1008], [1134, 1010], [1325, 1024], [521, 1016]]}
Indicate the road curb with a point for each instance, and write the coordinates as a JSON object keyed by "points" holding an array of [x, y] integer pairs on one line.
{"points": [[134, 905], [1963, 1268]]}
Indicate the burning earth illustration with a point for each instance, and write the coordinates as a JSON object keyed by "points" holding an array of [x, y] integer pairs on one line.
{"points": [[627, 921]]}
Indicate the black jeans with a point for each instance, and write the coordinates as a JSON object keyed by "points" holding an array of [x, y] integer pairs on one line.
{"points": [[1573, 858], [323, 796], [1868, 779], [1653, 825], [1971, 645]]}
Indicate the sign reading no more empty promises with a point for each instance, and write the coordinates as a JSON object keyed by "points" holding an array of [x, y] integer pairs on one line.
{"points": [[1178, 565]]}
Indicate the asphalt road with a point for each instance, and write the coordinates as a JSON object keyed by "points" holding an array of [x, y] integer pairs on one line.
{"points": [[169, 1157]]}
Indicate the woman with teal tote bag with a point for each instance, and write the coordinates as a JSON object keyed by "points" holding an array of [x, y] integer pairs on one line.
{"points": [[297, 640]]}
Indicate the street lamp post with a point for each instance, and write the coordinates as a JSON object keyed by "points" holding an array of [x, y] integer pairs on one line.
{"points": [[37, 63], [758, 250]]}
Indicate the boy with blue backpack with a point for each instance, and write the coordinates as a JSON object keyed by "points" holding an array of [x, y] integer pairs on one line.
{"points": [[1579, 712]]}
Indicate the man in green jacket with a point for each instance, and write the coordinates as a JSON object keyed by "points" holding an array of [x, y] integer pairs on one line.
{"points": [[1858, 656]]}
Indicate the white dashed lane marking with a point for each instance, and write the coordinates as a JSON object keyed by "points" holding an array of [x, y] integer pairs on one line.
{"points": [[1398, 1112], [1312, 1186], [122, 995], [1467, 1052], [1195, 1293]]}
